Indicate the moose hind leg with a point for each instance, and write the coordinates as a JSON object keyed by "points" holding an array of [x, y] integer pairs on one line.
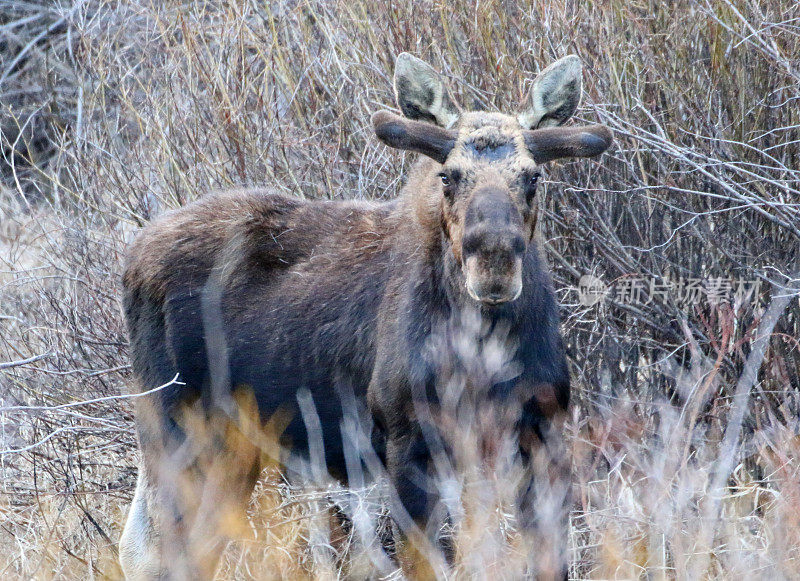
{"points": [[190, 500], [139, 545]]}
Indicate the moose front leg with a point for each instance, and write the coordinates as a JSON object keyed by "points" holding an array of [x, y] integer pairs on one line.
{"points": [[416, 509], [543, 499]]}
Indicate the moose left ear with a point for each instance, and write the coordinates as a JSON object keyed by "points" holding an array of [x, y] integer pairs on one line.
{"points": [[421, 93], [555, 94]]}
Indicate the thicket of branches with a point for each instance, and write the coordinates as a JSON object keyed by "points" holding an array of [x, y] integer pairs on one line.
{"points": [[686, 417]]}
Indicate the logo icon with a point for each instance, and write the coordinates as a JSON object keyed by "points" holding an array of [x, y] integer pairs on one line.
{"points": [[591, 290]]}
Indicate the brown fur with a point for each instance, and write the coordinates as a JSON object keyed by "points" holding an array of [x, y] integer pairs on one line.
{"points": [[284, 299]]}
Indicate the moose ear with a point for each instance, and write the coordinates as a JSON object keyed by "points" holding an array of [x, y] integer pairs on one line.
{"points": [[555, 94], [421, 93]]}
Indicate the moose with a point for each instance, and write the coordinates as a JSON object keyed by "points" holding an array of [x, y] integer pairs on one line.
{"points": [[286, 300]]}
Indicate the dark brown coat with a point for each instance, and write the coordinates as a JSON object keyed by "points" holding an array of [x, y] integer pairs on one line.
{"points": [[343, 301]]}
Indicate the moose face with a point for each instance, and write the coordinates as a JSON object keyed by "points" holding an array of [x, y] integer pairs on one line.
{"points": [[489, 204], [490, 165]]}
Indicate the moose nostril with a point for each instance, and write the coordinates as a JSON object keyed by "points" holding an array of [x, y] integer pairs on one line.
{"points": [[491, 243], [470, 244]]}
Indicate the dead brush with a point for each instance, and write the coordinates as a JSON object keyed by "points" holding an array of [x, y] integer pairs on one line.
{"points": [[113, 112]]}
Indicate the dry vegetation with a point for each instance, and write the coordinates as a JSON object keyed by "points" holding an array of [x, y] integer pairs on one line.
{"points": [[684, 432]]}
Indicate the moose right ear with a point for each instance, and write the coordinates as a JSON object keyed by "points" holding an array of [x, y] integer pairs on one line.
{"points": [[555, 94], [421, 94]]}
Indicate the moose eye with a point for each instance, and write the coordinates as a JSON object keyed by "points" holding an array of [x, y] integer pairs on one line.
{"points": [[450, 180], [530, 186]]}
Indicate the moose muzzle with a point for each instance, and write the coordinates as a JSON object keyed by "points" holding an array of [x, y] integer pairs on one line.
{"points": [[493, 245]]}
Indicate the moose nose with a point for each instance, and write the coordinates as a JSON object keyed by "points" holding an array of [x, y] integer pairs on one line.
{"points": [[500, 243], [497, 294], [492, 205]]}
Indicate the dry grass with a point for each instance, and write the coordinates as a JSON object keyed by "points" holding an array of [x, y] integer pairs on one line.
{"points": [[112, 112]]}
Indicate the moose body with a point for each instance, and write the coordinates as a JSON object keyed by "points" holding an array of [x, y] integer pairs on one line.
{"points": [[331, 304]]}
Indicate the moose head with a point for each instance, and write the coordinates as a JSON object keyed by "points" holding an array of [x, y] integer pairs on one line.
{"points": [[489, 164]]}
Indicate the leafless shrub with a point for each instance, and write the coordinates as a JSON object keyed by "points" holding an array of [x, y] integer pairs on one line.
{"points": [[114, 112]]}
